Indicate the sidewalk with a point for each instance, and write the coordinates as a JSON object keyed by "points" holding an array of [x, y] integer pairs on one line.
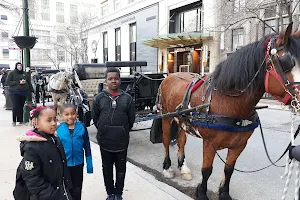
{"points": [[139, 185], [272, 104]]}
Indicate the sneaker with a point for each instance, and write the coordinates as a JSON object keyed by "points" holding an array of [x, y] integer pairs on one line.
{"points": [[22, 123], [110, 197], [118, 197], [14, 124]]}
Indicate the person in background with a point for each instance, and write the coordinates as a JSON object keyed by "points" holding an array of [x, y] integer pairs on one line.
{"points": [[75, 139], [3, 77], [19, 88], [113, 114]]}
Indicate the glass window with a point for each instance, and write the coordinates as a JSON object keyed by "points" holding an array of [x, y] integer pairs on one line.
{"points": [[5, 53], [45, 7], [118, 36], [117, 4], [237, 38], [31, 12], [3, 17], [105, 47], [105, 40], [270, 11], [59, 7], [269, 24], [239, 5], [132, 41], [118, 44], [4, 36], [104, 10], [190, 21], [73, 12], [61, 56], [60, 38], [45, 16], [60, 12], [43, 36], [132, 32]]}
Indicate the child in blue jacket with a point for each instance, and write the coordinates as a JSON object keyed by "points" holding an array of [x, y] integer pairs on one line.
{"points": [[75, 139]]}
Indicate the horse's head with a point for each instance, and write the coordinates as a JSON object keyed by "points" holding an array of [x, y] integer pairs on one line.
{"points": [[64, 79], [282, 56]]}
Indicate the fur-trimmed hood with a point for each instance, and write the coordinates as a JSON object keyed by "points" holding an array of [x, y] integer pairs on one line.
{"points": [[31, 136]]}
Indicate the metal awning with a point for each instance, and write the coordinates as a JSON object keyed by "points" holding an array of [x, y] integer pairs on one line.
{"points": [[177, 40]]}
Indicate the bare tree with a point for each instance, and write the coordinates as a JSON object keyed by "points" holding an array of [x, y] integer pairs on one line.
{"points": [[76, 37], [256, 11], [54, 56], [9, 6]]}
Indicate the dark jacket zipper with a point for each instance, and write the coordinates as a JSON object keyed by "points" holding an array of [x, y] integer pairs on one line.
{"points": [[72, 148]]}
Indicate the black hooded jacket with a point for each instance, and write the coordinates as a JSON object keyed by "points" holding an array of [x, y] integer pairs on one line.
{"points": [[113, 122], [43, 167], [13, 80]]}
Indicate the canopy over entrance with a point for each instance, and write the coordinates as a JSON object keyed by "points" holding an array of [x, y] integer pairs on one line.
{"points": [[177, 40]]}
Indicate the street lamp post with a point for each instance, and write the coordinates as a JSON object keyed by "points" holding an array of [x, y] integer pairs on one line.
{"points": [[26, 57]]}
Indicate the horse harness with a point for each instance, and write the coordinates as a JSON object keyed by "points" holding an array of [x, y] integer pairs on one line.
{"points": [[205, 119]]}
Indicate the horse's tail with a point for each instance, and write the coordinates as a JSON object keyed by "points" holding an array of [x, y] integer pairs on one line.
{"points": [[174, 130], [158, 105]]}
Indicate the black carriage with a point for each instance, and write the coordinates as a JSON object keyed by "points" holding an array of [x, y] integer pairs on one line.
{"points": [[142, 86]]}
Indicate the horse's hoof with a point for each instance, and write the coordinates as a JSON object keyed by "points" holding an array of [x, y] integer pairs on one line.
{"points": [[224, 196], [169, 173], [187, 176], [202, 197]]}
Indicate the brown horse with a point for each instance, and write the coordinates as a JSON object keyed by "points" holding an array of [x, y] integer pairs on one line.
{"points": [[233, 90]]}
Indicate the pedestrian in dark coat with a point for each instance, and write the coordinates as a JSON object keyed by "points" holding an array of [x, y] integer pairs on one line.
{"points": [[19, 88], [43, 168], [113, 114]]}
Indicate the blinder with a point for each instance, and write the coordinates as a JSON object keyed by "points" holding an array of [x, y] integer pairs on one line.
{"points": [[287, 62]]}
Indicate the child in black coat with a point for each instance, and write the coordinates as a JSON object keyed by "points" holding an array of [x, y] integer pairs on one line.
{"points": [[42, 173]]}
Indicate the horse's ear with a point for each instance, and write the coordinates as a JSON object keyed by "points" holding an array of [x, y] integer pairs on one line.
{"points": [[287, 33]]}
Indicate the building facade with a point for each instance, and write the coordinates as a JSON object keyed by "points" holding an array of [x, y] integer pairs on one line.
{"points": [[48, 22], [119, 35], [9, 53], [188, 36], [243, 29]]}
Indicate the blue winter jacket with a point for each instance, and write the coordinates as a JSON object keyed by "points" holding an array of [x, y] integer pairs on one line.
{"points": [[74, 145]]}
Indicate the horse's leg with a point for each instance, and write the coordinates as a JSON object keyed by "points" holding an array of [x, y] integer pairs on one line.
{"points": [[232, 156], [55, 101], [186, 173], [62, 101], [167, 170], [207, 163]]}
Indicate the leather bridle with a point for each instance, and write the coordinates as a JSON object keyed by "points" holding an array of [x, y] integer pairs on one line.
{"points": [[284, 63]]}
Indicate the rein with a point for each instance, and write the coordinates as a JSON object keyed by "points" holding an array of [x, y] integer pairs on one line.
{"points": [[266, 150]]}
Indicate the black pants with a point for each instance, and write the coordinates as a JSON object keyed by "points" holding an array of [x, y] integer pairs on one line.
{"points": [[76, 174], [18, 102], [119, 160]]}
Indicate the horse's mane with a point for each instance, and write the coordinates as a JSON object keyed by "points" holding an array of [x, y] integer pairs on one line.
{"points": [[235, 73]]}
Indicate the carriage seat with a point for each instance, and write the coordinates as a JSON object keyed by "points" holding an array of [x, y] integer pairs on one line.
{"points": [[90, 86]]}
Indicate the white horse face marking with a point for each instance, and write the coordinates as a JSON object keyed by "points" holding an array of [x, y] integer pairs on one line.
{"points": [[296, 76]]}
